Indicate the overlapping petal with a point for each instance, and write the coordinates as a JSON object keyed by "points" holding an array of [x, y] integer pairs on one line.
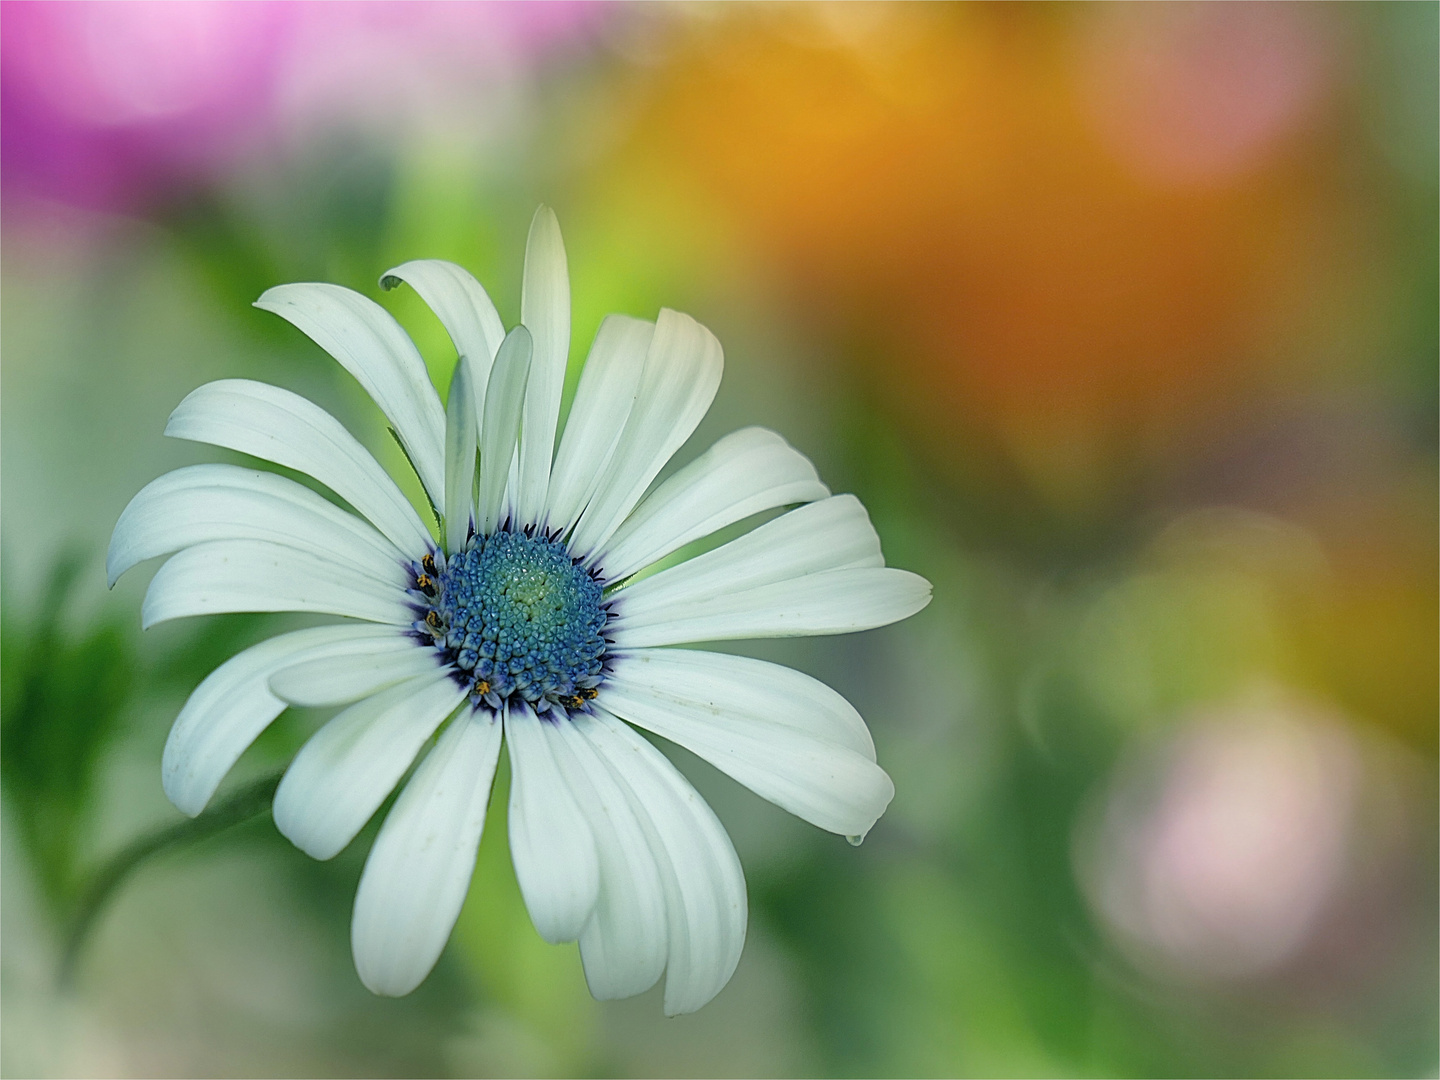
{"points": [[815, 570], [748, 734], [746, 686], [551, 843], [200, 503], [624, 944], [831, 534], [256, 575], [744, 473], [348, 676], [830, 602], [705, 905], [682, 372], [419, 870], [268, 422], [343, 774], [234, 704], [606, 394]]}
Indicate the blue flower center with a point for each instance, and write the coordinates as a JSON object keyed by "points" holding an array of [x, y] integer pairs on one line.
{"points": [[517, 617]]}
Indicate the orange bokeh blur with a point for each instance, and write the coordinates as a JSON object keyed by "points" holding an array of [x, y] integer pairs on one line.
{"points": [[958, 189]]}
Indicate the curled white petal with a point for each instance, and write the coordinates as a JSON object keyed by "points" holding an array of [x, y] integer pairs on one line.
{"points": [[370, 344], [419, 870], [463, 308], [343, 774]]}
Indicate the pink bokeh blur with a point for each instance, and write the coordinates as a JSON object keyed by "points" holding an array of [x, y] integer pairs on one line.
{"points": [[110, 105]]}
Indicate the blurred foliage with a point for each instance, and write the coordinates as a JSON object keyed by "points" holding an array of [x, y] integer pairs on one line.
{"points": [[324, 219], [57, 729], [65, 693], [244, 804]]}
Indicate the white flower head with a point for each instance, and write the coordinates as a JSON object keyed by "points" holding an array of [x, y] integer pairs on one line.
{"points": [[523, 617]]}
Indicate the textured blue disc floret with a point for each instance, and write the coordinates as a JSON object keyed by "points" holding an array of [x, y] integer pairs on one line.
{"points": [[516, 616]]}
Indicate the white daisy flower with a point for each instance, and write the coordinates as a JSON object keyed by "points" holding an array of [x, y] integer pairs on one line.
{"points": [[523, 616]]}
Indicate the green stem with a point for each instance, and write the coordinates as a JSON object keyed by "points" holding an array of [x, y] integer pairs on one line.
{"points": [[249, 801]]}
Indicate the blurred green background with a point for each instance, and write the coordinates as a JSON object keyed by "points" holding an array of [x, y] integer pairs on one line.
{"points": [[1121, 320]]}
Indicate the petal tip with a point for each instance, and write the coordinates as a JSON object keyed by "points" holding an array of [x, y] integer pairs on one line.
{"points": [[385, 984], [189, 802]]}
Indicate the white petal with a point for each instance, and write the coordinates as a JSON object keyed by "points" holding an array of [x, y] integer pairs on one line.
{"points": [[832, 534], [704, 886], [253, 575], [234, 704], [465, 310], [826, 783], [682, 373], [832, 602], [504, 404], [342, 775], [550, 842], [274, 424], [225, 502], [419, 870], [341, 678], [744, 473], [370, 345], [603, 400], [756, 688], [460, 446], [545, 311], [623, 945]]}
